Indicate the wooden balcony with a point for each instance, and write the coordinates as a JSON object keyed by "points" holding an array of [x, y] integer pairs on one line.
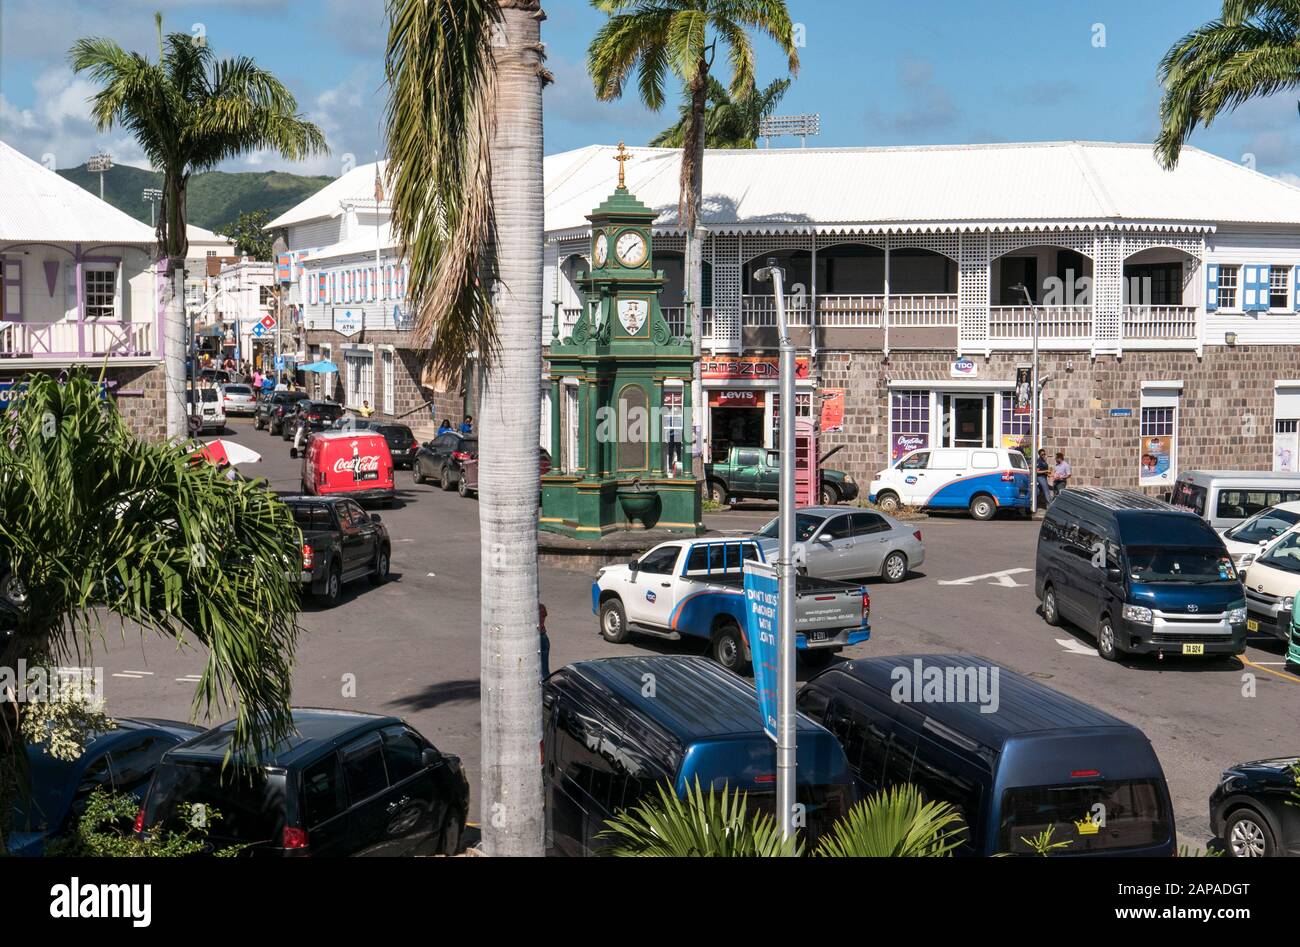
{"points": [[1055, 323], [57, 342], [849, 311], [1159, 323]]}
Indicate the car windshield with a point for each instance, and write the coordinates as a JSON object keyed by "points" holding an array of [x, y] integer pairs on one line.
{"points": [[1284, 554], [204, 394], [805, 524], [1184, 564], [1263, 526], [311, 516], [327, 410]]}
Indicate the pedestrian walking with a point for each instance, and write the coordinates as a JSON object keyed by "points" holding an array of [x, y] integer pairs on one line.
{"points": [[1060, 474], [1042, 470], [545, 640]]}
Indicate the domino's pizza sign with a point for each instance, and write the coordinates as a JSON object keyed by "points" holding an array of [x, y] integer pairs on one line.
{"points": [[964, 368]]}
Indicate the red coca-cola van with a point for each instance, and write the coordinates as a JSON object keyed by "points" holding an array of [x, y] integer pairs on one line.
{"points": [[353, 462]]}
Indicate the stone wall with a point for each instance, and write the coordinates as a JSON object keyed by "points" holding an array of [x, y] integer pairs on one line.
{"points": [[138, 392], [1225, 417]]}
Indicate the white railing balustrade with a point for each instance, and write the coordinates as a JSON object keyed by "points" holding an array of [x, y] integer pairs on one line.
{"points": [[1054, 322], [1159, 322]]}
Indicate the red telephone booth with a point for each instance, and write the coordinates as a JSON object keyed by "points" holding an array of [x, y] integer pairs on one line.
{"points": [[807, 472]]}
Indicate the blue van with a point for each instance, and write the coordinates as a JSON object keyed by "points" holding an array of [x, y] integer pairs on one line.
{"points": [[1012, 755], [1140, 575], [617, 728]]}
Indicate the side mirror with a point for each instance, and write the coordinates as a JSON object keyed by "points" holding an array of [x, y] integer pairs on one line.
{"points": [[634, 566], [1114, 573], [376, 518], [430, 757], [1264, 542]]}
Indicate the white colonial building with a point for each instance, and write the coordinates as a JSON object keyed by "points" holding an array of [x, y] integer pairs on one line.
{"points": [[1168, 302]]}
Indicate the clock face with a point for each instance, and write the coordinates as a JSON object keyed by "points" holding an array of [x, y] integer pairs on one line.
{"points": [[602, 249], [631, 248]]}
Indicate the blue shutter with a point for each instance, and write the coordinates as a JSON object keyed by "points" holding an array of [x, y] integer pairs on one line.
{"points": [[1295, 287], [1255, 283], [1212, 286]]}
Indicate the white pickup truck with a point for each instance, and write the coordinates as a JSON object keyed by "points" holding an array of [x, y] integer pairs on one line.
{"points": [[695, 588]]}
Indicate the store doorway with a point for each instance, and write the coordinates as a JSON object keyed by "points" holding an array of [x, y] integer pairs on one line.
{"points": [[735, 419], [967, 420]]}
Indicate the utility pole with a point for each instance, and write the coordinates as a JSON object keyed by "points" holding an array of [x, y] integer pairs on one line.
{"points": [[785, 665], [1033, 402]]}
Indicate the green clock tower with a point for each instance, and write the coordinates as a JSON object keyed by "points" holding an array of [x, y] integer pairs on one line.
{"points": [[628, 471]]}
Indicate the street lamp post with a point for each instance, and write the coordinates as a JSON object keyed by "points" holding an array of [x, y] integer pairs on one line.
{"points": [[1033, 400], [785, 719]]}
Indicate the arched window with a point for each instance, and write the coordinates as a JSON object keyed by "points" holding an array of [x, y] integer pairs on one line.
{"points": [[633, 429]]}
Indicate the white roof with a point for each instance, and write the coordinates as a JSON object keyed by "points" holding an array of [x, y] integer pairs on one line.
{"points": [[1067, 184], [38, 204], [357, 185], [197, 234], [363, 243]]}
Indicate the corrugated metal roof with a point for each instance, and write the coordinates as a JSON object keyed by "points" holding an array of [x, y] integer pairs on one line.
{"points": [[357, 185], [1053, 185], [36, 204]]}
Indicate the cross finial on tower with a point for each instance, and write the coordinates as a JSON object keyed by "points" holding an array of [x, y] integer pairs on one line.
{"points": [[622, 158]]}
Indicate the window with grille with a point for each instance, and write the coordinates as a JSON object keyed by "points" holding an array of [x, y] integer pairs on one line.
{"points": [[1158, 449], [909, 422], [1279, 296], [264, 295], [101, 294], [1286, 426], [1015, 425], [673, 429], [1228, 287], [802, 409]]}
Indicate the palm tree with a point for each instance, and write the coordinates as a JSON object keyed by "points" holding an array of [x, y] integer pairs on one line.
{"points": [[895, 823], [96, 521], [1252, 50], [465, 175], [656, 36], [728, 123], [188, 113]]}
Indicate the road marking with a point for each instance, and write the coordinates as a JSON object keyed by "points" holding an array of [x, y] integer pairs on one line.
{"points": [[188, 679], [134, 677], [1275, 664], [1282, 674], [1075, 647], [1002, 579], [433, 575]]}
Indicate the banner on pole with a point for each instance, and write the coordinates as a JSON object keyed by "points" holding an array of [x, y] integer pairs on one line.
{"points": [[1024, 400], [762, 605]]}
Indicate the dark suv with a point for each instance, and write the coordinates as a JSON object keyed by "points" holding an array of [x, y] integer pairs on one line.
{"points": [[442, 459], [345, 783], [310, 416], [271, 411]]}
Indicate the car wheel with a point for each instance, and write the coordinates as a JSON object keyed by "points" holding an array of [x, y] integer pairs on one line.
{"points": [[613, 621], [887, 502], [982, 507], [895, 567], [717, 492], [1051, 613], [449, 836], [258, 424], [305, 489], [462, 485], [380, 575], [1247, 835], [1106, 645], [728, 648], [293, 452], [415, 473], [444, 478], [829, 495], [13, 591], [333, 588]]}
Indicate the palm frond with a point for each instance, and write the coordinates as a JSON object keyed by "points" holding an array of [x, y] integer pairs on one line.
{"points": [[895, 823]]}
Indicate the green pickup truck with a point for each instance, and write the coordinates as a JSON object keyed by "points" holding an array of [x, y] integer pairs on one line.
{"points": [[754, 473]]}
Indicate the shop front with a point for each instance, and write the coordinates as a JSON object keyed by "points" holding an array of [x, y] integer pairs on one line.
{"points": [[956, 413], [743, 401]]}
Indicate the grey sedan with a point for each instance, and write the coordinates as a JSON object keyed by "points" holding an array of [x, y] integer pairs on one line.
{"points": [[835, 543]]}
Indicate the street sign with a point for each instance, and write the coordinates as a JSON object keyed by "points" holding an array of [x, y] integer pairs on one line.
{"points": [[279, 363], [258, 331], [1121, 412], [762, 603]]}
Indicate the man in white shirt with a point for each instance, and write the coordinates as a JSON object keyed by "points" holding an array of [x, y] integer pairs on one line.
{"points": [[1060, 474]]}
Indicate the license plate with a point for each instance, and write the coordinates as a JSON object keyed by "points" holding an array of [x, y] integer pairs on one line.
{"points": [[368, 475], [1193, 649], [1252, 625], [817, 636]]}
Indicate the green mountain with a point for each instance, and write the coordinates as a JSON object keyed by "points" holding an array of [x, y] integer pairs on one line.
{"points": [[216, 198]]}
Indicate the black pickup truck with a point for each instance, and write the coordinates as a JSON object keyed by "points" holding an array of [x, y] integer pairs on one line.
{"points": [[271, 409], [341, 542]]}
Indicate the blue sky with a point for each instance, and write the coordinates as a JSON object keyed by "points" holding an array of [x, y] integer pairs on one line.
{"points": [[880, 73]]}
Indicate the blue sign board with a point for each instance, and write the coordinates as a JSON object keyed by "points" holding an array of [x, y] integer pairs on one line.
{"points": [[258, 331], [1121, 412], [762, 604], [279, 363]]}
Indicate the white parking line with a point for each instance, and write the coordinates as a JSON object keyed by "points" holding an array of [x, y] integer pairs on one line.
{"points": [[1002, 579], [188, 679]]}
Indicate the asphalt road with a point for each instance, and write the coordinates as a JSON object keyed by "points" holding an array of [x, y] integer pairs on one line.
{"points": [[412, 644]]}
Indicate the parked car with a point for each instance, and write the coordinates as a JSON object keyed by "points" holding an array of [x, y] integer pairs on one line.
{"points": [[271, 411], [343, 462], [1140, 575], [402, 444], [215, 376], [12, 590], [467, 482], [1037, 760], [755, 473], [832, 543], [1272, 583], [205, 410], [441, 458], [238, 399], [309, 416], [982, 480], [1253, 810], [1226, 497], [341, 542], [695, 588], [118, 761], [1248, 538], [345, 783], [607, 745]]}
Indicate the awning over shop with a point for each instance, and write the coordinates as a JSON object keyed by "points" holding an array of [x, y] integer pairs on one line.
{"points": [[324, 367]]}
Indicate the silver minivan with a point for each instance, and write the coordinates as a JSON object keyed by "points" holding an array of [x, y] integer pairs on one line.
{"points": [[1225, 498]]}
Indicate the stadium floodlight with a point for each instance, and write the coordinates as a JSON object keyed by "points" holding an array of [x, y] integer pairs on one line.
{"points": [[99, 162], [801, 125]]}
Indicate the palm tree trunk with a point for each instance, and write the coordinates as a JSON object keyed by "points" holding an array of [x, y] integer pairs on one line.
{"points": [[692, 188], [172, 246], [510, 435]]}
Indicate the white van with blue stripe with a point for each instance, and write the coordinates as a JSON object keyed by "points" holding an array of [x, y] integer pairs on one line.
{"points": [[982, 480]]}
